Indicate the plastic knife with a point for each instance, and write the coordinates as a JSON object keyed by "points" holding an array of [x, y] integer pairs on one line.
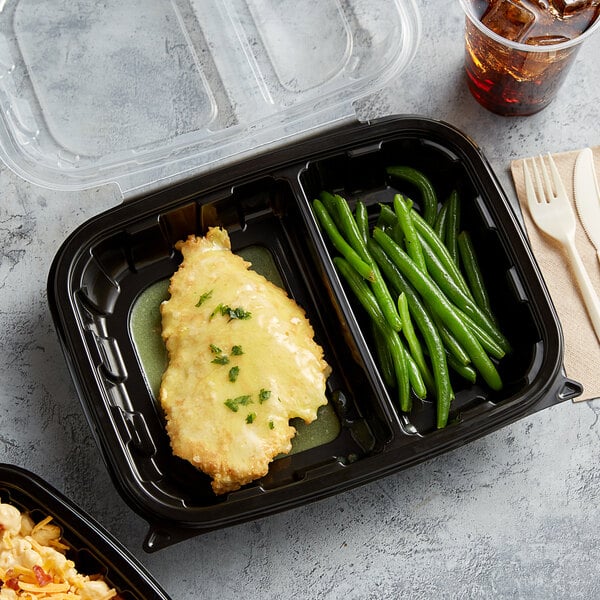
{"points": [[587, 196]]}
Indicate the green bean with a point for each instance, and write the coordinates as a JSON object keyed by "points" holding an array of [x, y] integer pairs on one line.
{"points": [[414, 345], [367, 299], [385, 300], [426, 233], [450, 342], [361, 290], [452, 225], [456, 295], [403, 374], [488, 343], [415, 375], [422, 183], [473, 273], [349, 227], [362, 219], [465, 371], [328, 201], [387, 217], [384, 357], [340, 244], [438, 302], [437, 354], [354, 237], [439, 225], [409, 233]]}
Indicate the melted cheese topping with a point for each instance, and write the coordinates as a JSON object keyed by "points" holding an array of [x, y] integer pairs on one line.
{"points": [[242, 363]]}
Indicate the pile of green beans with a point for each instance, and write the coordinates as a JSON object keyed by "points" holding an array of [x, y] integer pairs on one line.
{"points": [[418, 279]]}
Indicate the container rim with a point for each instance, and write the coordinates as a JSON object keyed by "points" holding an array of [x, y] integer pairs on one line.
{"points": [[467, 7]]}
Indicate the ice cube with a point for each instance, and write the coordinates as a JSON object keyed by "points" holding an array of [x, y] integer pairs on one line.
{"points": [[547, 40], [508, 18], [575, 16], [566, 7]]}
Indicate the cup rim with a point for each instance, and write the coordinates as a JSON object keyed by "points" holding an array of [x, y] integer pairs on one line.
{"points": [[468, 9]]}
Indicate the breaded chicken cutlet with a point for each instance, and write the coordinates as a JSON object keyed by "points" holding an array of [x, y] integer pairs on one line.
{"points": [[242, 363]]}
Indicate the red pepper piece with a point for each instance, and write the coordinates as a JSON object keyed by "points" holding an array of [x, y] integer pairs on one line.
{"points": [[12, 583], [41, 576]]}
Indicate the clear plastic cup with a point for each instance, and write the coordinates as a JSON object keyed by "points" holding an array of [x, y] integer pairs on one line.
{"points": [[511, 77]]}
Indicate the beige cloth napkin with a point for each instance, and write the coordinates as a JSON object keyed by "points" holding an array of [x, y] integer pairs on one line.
{"points": [[582, 349]]}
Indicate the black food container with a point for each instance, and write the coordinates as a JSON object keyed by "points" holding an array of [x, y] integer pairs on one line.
{"points": [[104, 268], [93, 550]]}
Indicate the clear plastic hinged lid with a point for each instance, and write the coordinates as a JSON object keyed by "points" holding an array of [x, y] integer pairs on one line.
{"points": [[141, 92]]}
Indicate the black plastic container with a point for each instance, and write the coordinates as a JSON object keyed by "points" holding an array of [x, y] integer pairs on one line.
{"points": [[108, 262], [93, 549]]}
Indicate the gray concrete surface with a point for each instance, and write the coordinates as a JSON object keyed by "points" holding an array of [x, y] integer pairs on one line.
{"points": [[512, 515]]}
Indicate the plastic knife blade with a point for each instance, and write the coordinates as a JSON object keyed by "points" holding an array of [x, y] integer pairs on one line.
{"points": [[587, 196]]}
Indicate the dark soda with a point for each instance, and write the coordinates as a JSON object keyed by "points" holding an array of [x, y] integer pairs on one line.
{"points": [[518, 69]]}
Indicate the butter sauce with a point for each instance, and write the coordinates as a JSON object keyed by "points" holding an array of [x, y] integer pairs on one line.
{"points": [[145, 327]]}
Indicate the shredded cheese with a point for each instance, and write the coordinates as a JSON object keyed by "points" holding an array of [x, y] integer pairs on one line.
{"points": [[33, 564]]}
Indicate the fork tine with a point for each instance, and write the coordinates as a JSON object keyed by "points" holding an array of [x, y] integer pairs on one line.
{"points": [[543, 192], [558, 183], [529, 187]]}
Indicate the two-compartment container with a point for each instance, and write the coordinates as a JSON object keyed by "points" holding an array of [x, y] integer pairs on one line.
{"points": [[160, 100]]}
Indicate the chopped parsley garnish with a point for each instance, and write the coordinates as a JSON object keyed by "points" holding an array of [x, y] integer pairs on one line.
{"points": [[237, 350], [235, 403], [271, 425], [264, 395], [222, 359], [250, 418], [233, 373], [204, 298], [215, 349], [239, 313], [233, 313]]}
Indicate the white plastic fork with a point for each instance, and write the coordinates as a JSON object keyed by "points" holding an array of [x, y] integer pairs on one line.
{"points": [[552, 212]]}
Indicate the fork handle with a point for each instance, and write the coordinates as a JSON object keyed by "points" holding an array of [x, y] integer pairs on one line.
{"points": [[590, 297]]}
